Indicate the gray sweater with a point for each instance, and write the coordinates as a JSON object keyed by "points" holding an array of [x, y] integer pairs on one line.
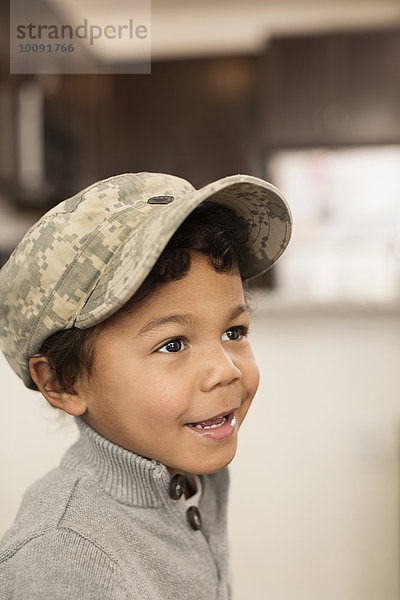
{"points": [[103, 526]]}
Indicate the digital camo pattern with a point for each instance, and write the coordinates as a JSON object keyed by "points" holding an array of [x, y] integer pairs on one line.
{"points": [[89, 254]]}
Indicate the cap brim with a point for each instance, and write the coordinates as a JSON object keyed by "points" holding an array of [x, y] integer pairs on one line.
{"points": [[257, 201]]}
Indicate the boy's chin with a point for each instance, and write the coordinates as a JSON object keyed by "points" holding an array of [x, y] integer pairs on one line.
{"points": [[209, 467]]}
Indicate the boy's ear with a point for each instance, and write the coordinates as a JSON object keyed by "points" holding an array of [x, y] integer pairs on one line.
{"points": [[43, 375]]}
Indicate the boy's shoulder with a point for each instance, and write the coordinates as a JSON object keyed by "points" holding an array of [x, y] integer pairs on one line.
{"points": [[42, 509], [62, 501], [46, 545]]}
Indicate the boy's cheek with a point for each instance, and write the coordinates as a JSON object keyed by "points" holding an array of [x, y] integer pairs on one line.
{"points": [[251, 385], [255, 383], [256, 377], [253, 374]]}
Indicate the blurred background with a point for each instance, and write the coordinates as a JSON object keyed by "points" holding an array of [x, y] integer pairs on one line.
{"points": [[307, 95]]}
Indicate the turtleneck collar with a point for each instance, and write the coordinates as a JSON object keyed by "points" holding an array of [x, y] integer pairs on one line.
{"points": [[126, 476]]}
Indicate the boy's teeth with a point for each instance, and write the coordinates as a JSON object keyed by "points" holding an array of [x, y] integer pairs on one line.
{"points": [[198, 426]]}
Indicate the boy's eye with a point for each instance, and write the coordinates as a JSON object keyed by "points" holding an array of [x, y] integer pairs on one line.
{"points": [[175, 345], [234, 333]]}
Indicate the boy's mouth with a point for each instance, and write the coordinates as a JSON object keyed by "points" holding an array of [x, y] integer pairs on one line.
{"points": [[218, 427], [209, 423]]}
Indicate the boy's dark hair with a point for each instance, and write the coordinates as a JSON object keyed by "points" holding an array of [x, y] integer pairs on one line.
{"points": [[212, 229]]}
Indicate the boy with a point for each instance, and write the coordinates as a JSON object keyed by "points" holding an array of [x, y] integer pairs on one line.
{"points": [[124, 307]]}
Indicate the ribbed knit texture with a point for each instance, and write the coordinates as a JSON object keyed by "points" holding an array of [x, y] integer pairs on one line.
{"points": [[102, 526]]}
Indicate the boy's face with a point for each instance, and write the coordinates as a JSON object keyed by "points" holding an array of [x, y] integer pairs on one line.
{"points": [[176, 359]]}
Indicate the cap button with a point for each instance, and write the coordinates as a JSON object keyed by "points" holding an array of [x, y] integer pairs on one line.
{"points": [[160, 200], [176, 487]]}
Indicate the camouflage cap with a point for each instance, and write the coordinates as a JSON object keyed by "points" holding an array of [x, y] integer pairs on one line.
{"points": [[87, 256]]}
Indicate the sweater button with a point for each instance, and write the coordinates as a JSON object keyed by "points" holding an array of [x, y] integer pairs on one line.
{"points": [[176, 487], [194, 518]]}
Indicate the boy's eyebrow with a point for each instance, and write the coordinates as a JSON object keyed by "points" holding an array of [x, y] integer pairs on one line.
{"points": [[188, 319]]}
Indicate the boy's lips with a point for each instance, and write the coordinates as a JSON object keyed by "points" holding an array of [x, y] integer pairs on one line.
{"points": [[218, 427]]}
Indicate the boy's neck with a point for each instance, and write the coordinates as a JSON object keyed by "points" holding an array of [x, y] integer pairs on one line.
{"points": [[190, 487]]}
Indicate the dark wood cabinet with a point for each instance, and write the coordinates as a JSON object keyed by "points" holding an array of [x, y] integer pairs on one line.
{"points": [[331, 89]]}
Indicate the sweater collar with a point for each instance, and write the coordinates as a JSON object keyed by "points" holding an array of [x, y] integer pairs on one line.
{"points": [[126, 476]]}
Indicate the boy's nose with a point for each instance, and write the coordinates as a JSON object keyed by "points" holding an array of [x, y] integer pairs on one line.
{"points": [[218, 368]]}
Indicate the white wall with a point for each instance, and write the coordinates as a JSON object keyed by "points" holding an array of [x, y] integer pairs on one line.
{"points": [[315, 493], [315, 503]]}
